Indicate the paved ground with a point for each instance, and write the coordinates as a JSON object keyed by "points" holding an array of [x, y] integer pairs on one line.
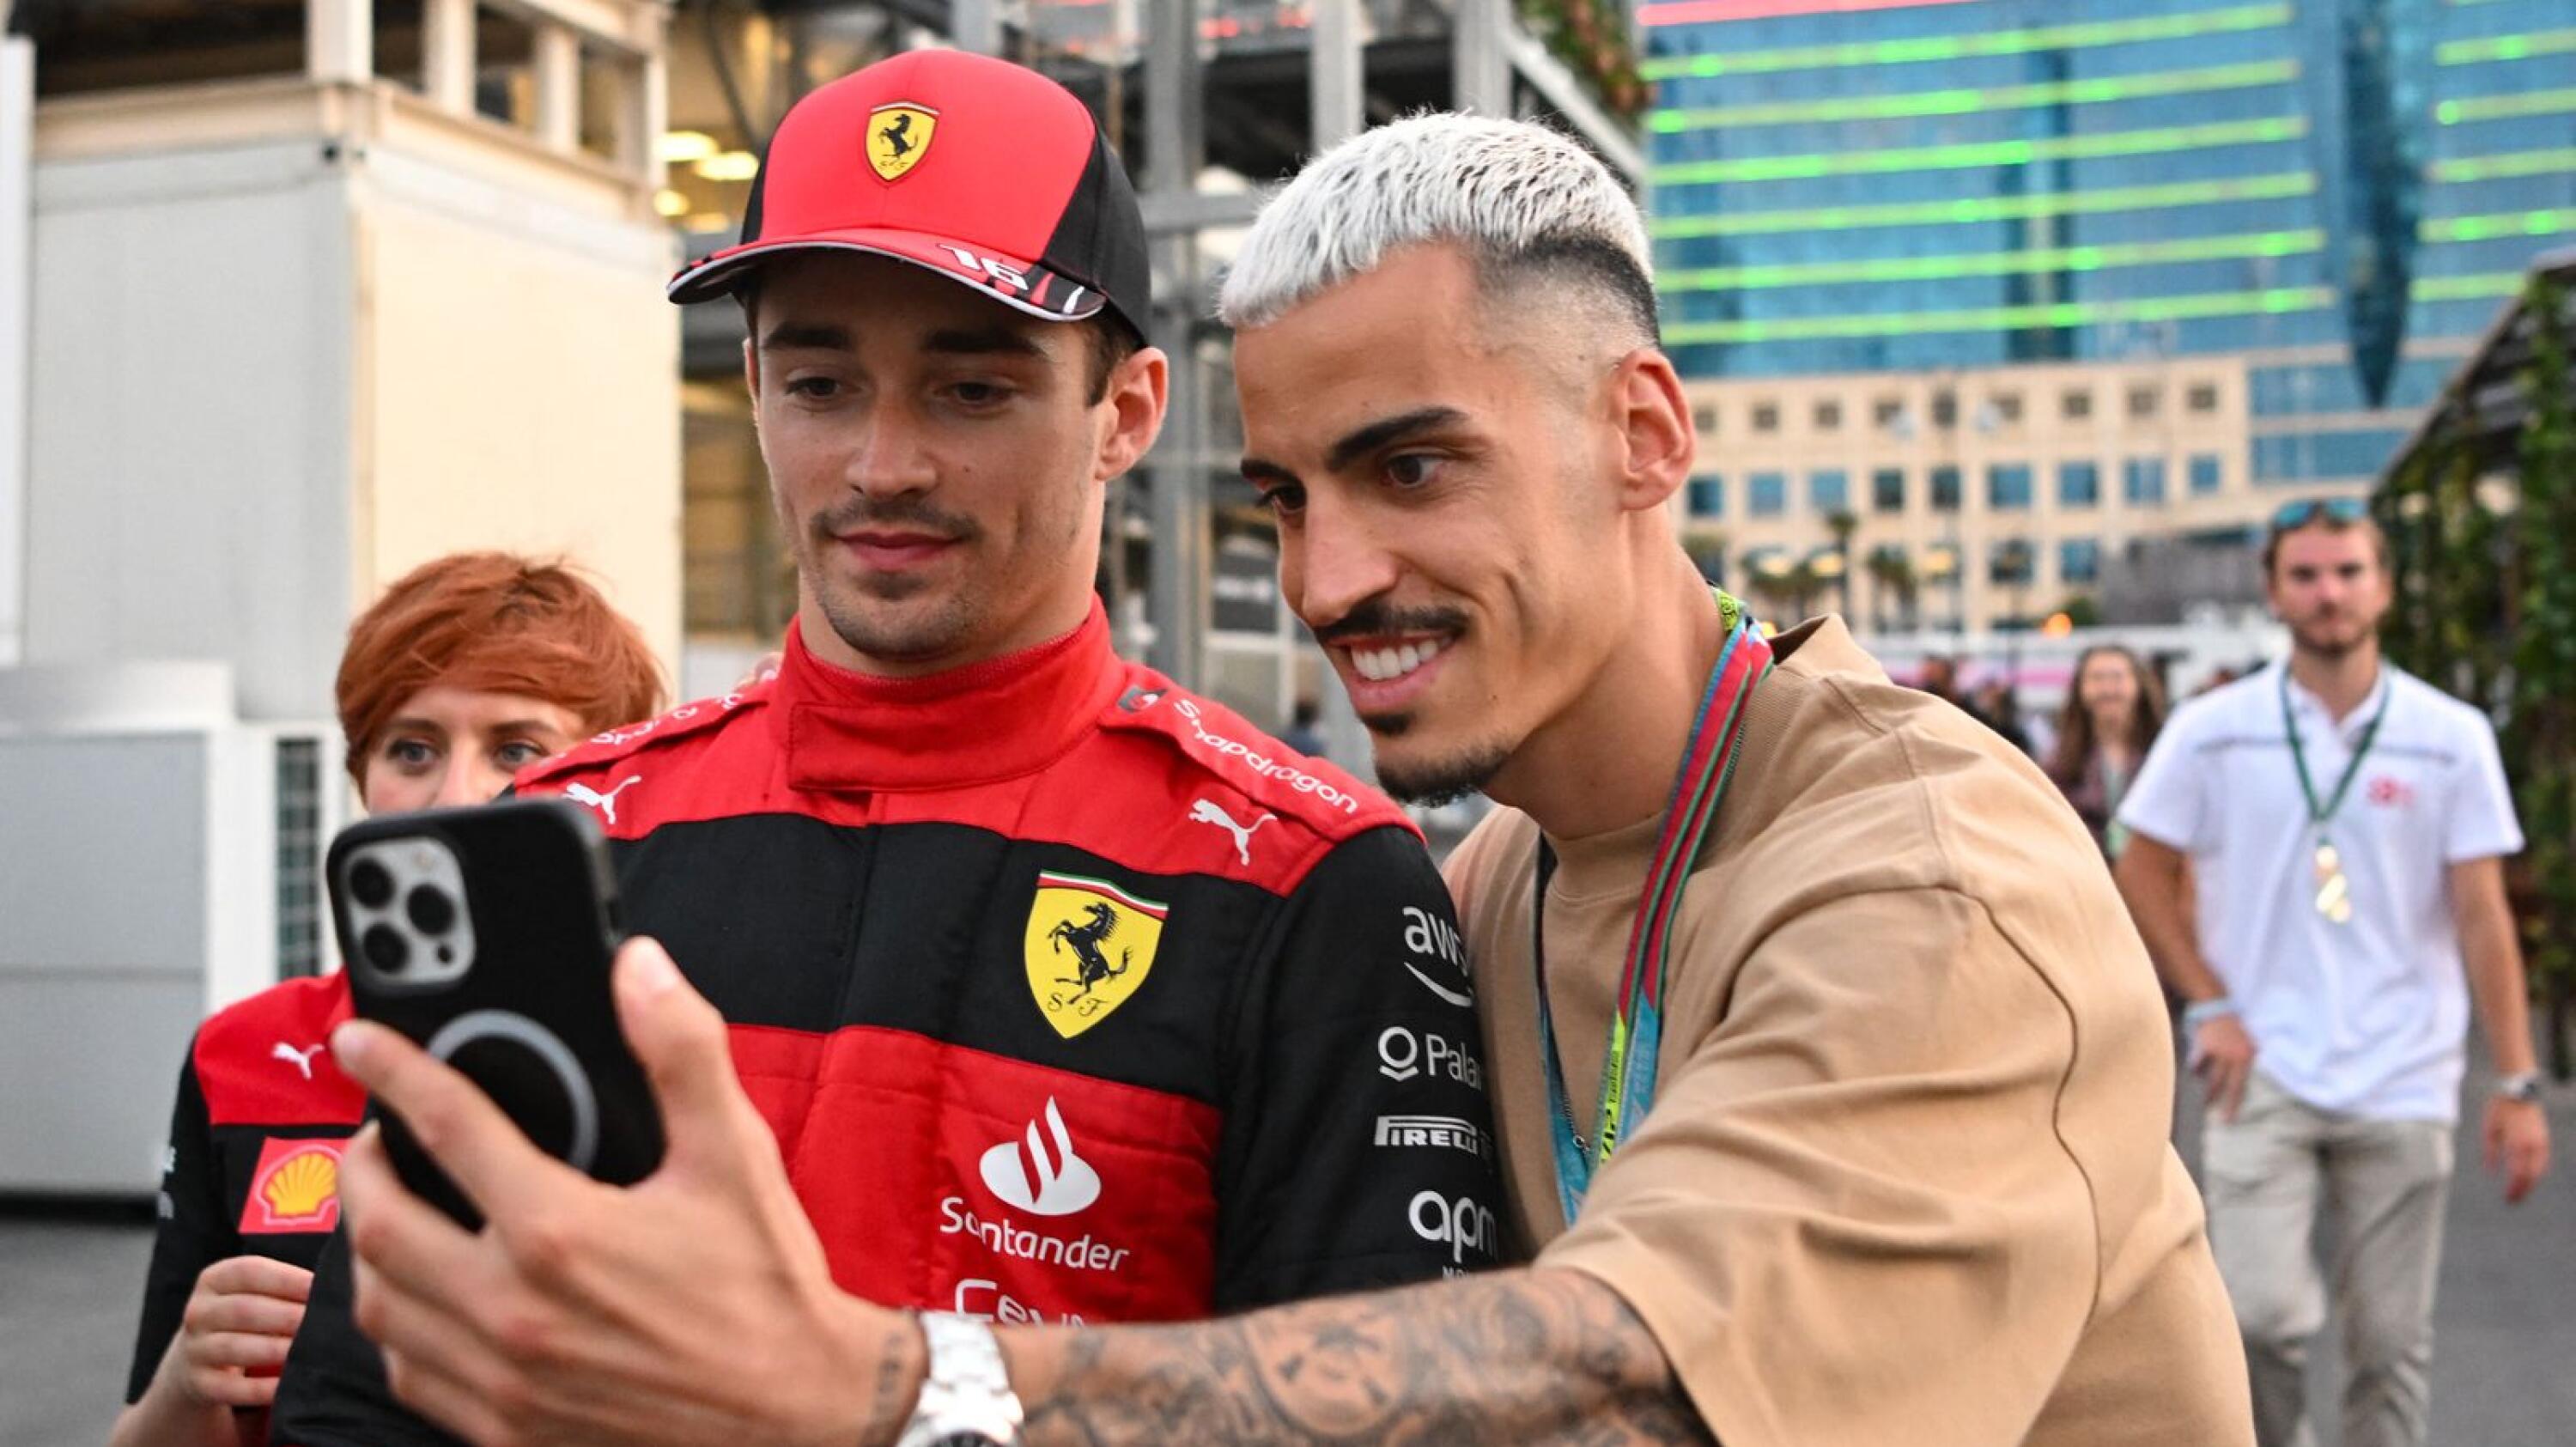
{"points": [[2504, 1373]]}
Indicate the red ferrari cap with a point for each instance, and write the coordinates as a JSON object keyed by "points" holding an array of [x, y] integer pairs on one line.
{"points": [[983, 171]]}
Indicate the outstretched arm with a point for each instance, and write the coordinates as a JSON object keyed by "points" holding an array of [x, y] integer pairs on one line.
{"points": [[1517, 1357]]}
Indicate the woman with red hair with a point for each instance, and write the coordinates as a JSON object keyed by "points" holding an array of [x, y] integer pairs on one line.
{"points": [[466, 671]]}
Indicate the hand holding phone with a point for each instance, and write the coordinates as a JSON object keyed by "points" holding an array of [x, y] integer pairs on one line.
{"points": [[485, 936]]}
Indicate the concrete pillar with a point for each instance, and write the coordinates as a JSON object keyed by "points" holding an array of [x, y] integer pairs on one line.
{"points": [[447, 54], [340, 41], [1177, 600], [1338, 85], [1481, 68], [558, 75]]}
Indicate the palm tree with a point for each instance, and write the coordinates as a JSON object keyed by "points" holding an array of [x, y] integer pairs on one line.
{"points": [[1844, 522], [1891, 575]]}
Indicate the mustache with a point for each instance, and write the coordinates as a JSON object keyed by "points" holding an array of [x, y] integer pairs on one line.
{"points": [[907, 513], [1376, 618]]}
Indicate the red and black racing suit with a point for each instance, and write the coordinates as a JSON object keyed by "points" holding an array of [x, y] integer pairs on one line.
{"points": [[253, 1163], [1069, 995]]}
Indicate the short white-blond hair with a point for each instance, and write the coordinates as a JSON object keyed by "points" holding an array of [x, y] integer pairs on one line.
{"points": [[1508, 192]]}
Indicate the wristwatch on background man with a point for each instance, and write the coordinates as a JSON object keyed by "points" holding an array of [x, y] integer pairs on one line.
{"points": [[966, 1397], [2524, 1087]]}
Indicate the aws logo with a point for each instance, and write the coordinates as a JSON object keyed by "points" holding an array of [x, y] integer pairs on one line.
{"points": [[898, 137]]}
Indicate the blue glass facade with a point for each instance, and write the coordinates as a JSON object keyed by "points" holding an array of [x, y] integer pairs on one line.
{"points": [[2326, 185]]}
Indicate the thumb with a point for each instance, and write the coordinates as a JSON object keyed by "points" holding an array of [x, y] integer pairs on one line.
{"points": [[680, 1041]]}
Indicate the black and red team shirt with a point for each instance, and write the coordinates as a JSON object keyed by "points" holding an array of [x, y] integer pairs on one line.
{"points": [[253, 1163], [1070, 996]]}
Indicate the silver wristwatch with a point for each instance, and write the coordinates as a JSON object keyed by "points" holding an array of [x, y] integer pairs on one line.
{"points": [[2524, 1087], [966, 1397]]}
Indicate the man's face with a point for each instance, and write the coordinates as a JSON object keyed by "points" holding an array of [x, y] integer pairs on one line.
{"points": [[935, 459], [1447, 524], [2328, 586]]}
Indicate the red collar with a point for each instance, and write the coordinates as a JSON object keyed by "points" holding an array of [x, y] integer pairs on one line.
{"points": [[979, 724]]}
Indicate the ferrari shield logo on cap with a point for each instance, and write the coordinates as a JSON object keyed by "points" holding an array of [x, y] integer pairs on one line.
{"points": [[1089, 946], [898, 137]]}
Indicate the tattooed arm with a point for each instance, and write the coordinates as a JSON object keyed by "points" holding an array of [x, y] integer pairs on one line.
{"points": [[1515, 1357]]}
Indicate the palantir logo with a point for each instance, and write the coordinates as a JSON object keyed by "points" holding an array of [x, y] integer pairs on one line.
{"points": [[1042, 1183]]}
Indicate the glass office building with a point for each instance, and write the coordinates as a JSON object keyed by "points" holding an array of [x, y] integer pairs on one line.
{"points": [[2342, 192]]}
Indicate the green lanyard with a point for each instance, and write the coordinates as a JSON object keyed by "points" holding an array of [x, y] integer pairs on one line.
{"points": [[2318, 813]]}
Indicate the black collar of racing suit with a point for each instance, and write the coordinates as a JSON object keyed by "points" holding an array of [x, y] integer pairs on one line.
{"points": [[978, 724]]}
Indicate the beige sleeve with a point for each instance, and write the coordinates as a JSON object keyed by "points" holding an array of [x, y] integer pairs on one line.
{"points": [[1848, 1218]]}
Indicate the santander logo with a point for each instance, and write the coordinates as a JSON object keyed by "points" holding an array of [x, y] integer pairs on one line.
{"points": [[1042, 1182]]}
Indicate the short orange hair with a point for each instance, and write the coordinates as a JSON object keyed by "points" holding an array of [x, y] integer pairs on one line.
{"points": [[493, 623]]}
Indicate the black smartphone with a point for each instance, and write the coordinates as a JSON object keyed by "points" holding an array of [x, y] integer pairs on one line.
{"points": [[485, 935]]}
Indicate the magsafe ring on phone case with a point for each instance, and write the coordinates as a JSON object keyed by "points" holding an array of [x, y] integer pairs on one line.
{"points": [[581, 1148]]}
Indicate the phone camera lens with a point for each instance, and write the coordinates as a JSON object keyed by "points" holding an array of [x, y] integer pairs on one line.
{"points": [[370, 884], [386, 949], [431, 911]]}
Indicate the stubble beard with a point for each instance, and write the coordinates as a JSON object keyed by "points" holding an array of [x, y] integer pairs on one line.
{"points": [[1432, 782]]}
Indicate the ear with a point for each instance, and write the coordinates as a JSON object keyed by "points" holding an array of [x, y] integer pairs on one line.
{"points": [[751, 380], [1139, 390], [1657, 446]]}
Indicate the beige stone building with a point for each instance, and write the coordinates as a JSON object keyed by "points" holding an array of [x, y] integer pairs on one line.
{"points": [[2002, 494]]}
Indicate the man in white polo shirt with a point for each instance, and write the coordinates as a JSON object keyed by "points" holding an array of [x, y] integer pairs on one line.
{"points": [[2346, 827]]}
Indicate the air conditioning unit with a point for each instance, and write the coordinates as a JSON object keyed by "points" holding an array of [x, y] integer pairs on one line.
{"points": [[159, 859]]}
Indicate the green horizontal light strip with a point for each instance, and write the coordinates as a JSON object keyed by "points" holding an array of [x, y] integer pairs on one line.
{"points": [[1984, 153], [1953, 47], [1998, 263], [2507, 47], [2492, 226], [2506, 164], [2505, 107], [1970, 101], [2286, 184], [2001, 319], [2467, 288]]}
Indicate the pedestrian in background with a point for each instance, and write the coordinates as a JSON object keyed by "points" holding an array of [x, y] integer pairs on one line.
{"points": [[467, 670], [2346, 827], [2114, 709]]}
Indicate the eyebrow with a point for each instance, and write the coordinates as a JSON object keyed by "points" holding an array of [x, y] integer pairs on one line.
{"points": [[952, 342], [1360, 442], [811, 335]]}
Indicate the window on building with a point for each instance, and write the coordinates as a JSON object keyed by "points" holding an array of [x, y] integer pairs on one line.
{"points": [[2009, 562], [2079, 560], [1704, 418], [2076, 406], [2206, 475], [1886, 410], [2143, 400], [2143, 481], [1945, 489], [1829, 491], [1945, 409], [2203, 397], [1829, 417], [1887, 490], [2007, 407], [1766, 416], [1767, 494], [2079, 484], [2008, 487], [1708, 496]]}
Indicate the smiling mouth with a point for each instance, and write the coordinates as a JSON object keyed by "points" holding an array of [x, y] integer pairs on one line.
{"points": [[1385, 663]]}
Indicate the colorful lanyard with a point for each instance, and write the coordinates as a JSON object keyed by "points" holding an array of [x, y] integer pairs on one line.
{"points": [[1637, 1026], [2319, 814]]}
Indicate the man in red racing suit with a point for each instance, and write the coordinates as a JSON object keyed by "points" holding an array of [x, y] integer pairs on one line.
{"points": [[1068, 995]]}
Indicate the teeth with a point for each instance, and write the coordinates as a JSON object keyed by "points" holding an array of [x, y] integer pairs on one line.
{"points": [[1377, 665]]}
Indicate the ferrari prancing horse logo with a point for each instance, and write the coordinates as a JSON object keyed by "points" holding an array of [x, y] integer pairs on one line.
{"points": [[898, 137], [1089, 945]]}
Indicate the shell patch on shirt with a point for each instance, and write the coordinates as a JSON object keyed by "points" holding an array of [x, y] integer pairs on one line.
{"points": [[295, 1189], [1089, 945]]}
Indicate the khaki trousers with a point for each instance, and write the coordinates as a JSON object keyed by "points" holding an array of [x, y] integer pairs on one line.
{"points": [[2386, 1182]]}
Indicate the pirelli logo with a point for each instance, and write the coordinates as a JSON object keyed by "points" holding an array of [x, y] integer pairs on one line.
{"points": [[1431, 1130]]}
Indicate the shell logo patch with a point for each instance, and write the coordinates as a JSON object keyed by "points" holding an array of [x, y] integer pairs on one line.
{"points": [[898, 137], [295, 1189], [1089, 946]]}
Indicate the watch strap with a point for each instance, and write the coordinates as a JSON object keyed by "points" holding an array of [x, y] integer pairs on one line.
{"points": [[2524, 1087], [966, 1394]]}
